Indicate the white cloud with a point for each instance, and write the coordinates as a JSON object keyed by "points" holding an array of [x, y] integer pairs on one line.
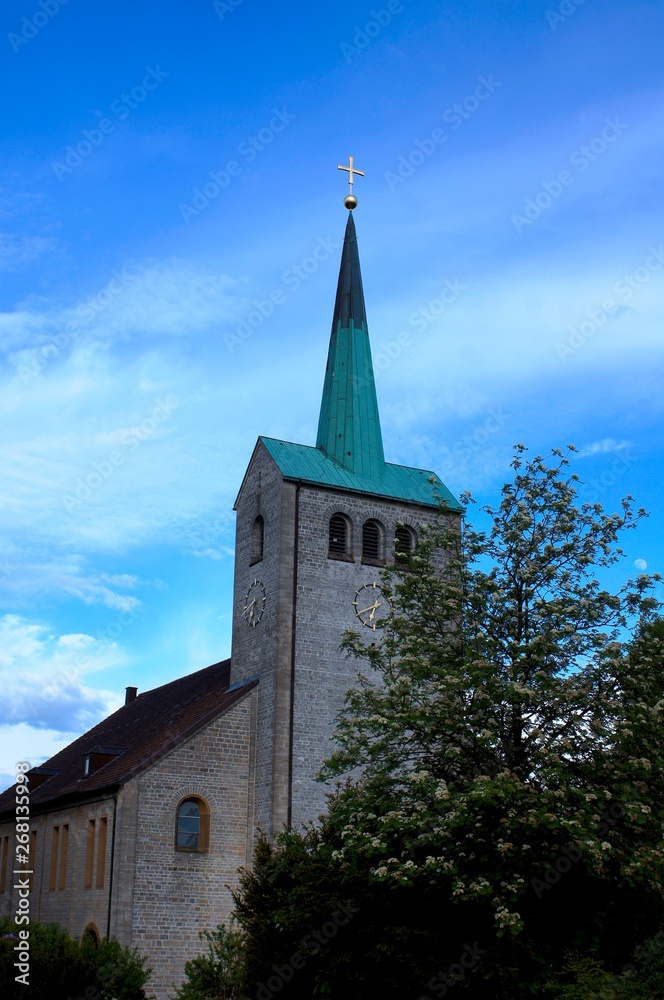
{"points": [[171, 297], [23, 742], [43, 677], [606, 446]]}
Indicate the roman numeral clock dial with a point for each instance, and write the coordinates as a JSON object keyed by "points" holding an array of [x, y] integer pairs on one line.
{"points": [[371, 606], [254, 603]]}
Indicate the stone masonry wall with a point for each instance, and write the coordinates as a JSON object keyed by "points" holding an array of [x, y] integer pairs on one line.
{"points": [[326, 589], [176, 893], [266, 650], [75, 906]]}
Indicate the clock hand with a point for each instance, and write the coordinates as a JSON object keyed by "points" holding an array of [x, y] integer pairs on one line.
{"points": [[372, 608]]}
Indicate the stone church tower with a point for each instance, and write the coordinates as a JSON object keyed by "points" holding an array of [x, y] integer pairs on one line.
{"points": [[314, 527]]}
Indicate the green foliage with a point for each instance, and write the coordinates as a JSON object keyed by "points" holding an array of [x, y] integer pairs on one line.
{"points": [[507, 715], [219, 973], [511, 740], [62, 968]]}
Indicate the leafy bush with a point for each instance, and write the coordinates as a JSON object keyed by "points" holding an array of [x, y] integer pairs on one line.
{"points": [[62, 968], [219, 973]]}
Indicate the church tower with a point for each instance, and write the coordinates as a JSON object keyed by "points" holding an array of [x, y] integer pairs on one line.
{"points": [[314, 527]]}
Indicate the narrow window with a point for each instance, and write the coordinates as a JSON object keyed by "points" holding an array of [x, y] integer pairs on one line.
{"points": [[4, 853], [403, 542], [257, 539], [193, 825], [33, 856], [89, 853], [338, 537], [64, 846], [53, 872], [372, 538], [101, 851]]}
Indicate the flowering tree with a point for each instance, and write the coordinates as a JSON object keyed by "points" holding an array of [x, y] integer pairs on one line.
{"points": [[511, 732]]}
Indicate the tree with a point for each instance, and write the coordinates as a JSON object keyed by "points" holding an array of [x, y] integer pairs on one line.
{"points": [[219, 973], [510, 733], [62, 968], [496, 742]]}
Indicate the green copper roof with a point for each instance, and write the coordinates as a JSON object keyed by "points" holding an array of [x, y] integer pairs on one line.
{"points": [[303, 463], [349, 425]]}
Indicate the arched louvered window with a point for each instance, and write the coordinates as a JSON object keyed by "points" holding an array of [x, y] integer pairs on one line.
{"points": [[339, 537], [192, 831], [372, 542], [404, 541], [257, 539]]}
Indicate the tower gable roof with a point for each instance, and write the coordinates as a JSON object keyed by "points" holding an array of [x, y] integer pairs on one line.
{"points": [[303, 463]]}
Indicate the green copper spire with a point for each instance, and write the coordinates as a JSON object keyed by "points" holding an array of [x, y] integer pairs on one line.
{"points": [[349, 425]]}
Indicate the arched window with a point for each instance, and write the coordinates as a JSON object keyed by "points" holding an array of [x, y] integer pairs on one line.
{"points": [[91, 935], [339, 537], [372, 543], [257, 537], [404, 541], [192, 831]]}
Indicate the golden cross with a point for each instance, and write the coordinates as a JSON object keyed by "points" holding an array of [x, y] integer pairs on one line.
{"points": [[351, 170]]}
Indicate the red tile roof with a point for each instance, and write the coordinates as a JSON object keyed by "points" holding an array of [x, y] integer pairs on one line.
{"points": [[145, 730]]}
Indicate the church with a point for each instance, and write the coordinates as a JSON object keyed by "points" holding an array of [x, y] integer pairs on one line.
{"points": [[138, 828]]}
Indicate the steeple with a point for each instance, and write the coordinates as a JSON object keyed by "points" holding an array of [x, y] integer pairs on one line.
{"points": [[349, 425]]}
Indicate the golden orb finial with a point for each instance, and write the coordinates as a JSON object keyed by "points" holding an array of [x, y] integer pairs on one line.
{"points": [[350, 201]]}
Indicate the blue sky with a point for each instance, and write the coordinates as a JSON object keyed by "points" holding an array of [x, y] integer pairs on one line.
{"points": [[168, 168]]}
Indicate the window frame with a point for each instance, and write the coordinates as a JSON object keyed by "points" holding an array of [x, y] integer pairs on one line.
{"points": [[403, 555], [257, 540], [378, 560], [203, 846], [347, 554]]}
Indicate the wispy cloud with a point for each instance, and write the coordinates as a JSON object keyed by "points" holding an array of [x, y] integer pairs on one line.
{"points": [[16, 252], [605, 447]]}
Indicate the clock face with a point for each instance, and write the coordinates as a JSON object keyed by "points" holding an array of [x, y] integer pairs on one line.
{"points": [[254, 603], [371, 606]]}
